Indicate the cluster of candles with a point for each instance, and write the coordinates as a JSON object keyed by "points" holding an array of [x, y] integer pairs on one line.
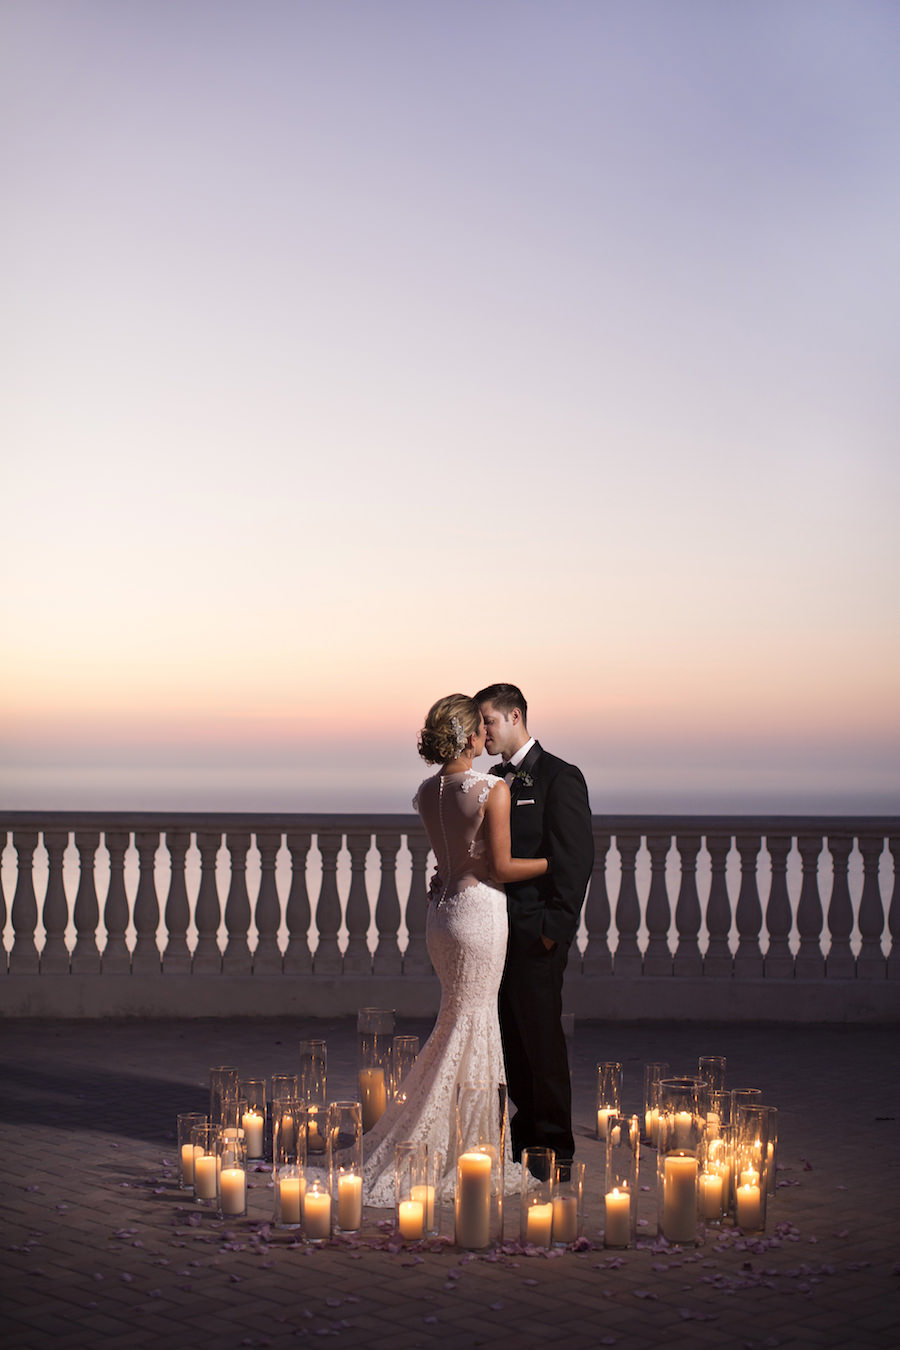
{"points": [[715, 1152]]}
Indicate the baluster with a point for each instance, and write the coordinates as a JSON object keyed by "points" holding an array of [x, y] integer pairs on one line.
{"points": [[840, 962], [870, 964], [207, 912], [176, 958], [267, 957], [116, 958], [416, 960], [748, 961], [386, 960], [688, 959], [327, 958], [236, 956], [297, 956], [357, 958], [809, 962], [86, 953], [145, 959], [55, 956], [657, 957], [23, 959], [779, 962], [718, 960], [893, 961], [628, 911], [597, 959]]}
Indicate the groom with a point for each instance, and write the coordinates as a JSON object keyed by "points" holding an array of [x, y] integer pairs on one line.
{"points": [[549, 817]]}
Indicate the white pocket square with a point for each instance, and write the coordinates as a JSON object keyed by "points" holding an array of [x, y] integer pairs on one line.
{"points": [[526, 801]]}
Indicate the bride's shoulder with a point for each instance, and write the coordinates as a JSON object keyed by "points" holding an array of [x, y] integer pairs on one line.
{"points": [[422, 788], [485, 781]]}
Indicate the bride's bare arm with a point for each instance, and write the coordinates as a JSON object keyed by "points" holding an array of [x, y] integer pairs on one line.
{"points": [[501, 865]]}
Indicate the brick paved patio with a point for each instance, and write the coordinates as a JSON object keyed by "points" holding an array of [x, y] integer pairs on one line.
{"points": [[101, 1248]]}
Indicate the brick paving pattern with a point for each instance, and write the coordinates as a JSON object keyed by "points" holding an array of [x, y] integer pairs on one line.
{"points": [[101, 1247]]}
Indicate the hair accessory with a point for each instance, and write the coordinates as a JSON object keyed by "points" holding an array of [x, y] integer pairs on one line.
{"points": [[461, 737]]}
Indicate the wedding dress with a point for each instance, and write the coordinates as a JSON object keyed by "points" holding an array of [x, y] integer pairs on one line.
{"points": [[466, 934]]}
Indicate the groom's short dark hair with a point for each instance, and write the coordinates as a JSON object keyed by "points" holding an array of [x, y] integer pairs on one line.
{"points": [[504, 697]]}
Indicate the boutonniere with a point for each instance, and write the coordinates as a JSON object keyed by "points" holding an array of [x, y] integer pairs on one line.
{"points": [[522, 776]]}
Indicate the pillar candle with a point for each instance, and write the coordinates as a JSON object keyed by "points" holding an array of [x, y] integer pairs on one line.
{"points": [[349, 1201], [233, 1190], [253, 1133], [565, 1218], [317, 1215], [748, 1204], [372, 1095], [473, 1200], [651, 1124], [411, 1219], [711, 1195], [618, 1218], [426, 1195], [749, 1177], [683, 1124], [187, 1164], [539, 1225], [680, 1199], [205, 1176], [603, 1115], [290, 1192], [288, 1135]]}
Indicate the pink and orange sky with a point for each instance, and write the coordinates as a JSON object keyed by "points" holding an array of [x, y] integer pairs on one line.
{"points": [[357, 353]]}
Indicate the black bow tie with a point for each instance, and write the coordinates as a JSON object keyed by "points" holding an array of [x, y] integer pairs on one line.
{"points": [[503, 769]]}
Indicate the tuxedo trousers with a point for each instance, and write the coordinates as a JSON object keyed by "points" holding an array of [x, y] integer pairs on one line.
{"points": [[534, 1045]]}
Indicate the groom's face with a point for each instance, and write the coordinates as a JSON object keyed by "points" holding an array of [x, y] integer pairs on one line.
{"points": [[503, 731]]}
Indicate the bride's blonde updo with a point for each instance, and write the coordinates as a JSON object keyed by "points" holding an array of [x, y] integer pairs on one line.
{"points": [[449, 724]]}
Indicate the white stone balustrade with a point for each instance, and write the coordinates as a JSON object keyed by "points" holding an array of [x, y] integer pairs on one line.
{"points": [[697, 918]]}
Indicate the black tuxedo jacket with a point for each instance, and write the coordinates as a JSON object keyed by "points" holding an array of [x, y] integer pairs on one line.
{"points": [[550, 816]]}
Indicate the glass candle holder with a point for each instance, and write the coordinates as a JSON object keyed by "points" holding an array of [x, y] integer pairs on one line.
{"points": [[232, 1179], [536, 1209], [285, 1132], [747, 1096], [316, 1210], [711, 1068], [609, 1094], [431, 1194], [231, 1142], [750, 1156], [409, 1183], [314, 1144], [682, 1125], [344, 1125], [206, 1164], [718, 1113], [714, 1181], [480, 1144], [621, 1182], [771, 1148], [185, 1126], [404, 1050], [313, 1076], [289, 1187], [568, 1203], [653, 1074], [223, 1084], [253, 1115], [375, 1030]]}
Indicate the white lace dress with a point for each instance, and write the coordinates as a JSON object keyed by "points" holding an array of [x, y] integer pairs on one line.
{"points": [[466, 933]]}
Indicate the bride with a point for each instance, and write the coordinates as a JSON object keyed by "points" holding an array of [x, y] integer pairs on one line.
{"points": [[466, 816]]}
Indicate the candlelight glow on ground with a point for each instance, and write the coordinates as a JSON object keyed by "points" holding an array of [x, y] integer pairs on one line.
{"points": [[360, 353]]}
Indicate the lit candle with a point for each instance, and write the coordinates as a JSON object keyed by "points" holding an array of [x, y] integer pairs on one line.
{"points": [[603, 1115], [749, 1177], [749, 1206], [712, 1124], [680, 1199], [372, 1095], [426, 1195], [317, 1214], [683, 1123], [205, 1176], [233, 1190], [565, 1218], [349, 1201], [711, 1195], [539, 1224], [290, 1193], [651, 1125], [770, 1168], [616, 1135], [411, 1219], [288, 1135], [473, 1200], [253, 1133], [618, 1218], [187, 1164], [314, 1141]]}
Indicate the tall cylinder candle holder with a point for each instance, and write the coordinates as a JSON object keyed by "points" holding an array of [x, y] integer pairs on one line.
{"points": [[536, 1203], [313, 1075], [206, 1164], [621, 1181], [289, 1187], [232, 1141], [185, 1126], [317, 1206], [715, 1197], [404, 1050], [410, 1169], [375, 1031], [232, 1174], [480, 1144], [253, 1116], [223, 1084], [771, 1149], [314, 1156], [609, 1094], [344, 1125], [682, 1126], [750, 1154], [653, 1074], [285, 1132], [718, 1112], [744, 1096], [431, 1194], [711, 1068], [568, 1203]]}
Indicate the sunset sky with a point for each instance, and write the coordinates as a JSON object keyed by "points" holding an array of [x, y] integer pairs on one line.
{"points": [[360, 351]]}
